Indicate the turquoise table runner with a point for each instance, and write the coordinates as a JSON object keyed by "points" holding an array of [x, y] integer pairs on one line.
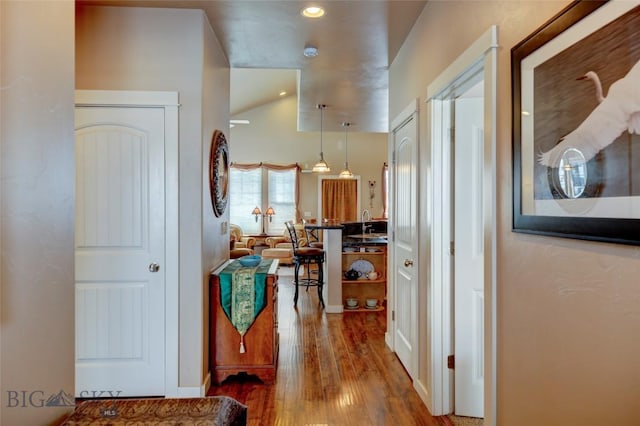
{"points": [[243, 294]]}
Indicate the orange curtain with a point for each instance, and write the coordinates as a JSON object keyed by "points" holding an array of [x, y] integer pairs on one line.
{"points": [[340, 199]]}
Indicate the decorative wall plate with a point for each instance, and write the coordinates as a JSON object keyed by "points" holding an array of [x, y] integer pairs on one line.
{"points": [[219, 172]]}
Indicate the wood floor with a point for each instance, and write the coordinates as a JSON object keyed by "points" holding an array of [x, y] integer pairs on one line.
{"points": [[333, 369]]}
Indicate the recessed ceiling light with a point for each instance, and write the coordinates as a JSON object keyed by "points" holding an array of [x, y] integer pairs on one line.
{"points": [[313, 12], [310, 52], [282, 93]]}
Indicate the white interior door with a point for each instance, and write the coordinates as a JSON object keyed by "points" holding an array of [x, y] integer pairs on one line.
{"points": [[469, 253], [404, 242], [120, 252]]}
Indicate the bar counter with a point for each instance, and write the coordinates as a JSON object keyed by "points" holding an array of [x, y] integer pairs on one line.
{"points": [[332, 244]]}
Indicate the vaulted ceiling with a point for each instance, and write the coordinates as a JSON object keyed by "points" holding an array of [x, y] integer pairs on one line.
{"points": [[356, 41]]}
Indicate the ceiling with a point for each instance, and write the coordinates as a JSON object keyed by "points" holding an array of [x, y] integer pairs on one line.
{"points": [[264, 41]]}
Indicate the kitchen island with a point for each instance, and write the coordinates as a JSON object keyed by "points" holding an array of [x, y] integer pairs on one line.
{"points": [[332, 245], [364, 266], [342, 244]]}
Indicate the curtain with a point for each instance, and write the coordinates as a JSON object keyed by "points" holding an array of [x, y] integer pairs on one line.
{"points": [[245, 197], [340, 199]]}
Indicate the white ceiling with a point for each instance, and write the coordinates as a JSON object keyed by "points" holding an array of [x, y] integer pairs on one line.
{"points": [[356, 40]]}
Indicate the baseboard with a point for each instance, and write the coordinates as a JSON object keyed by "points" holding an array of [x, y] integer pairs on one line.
{"points": [[206, 385], [195, 391], [334, 309], [388, 339], [423, 393]]}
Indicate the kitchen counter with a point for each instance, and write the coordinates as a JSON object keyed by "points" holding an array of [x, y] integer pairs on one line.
{"points": [[322, 226], [375, 233]]}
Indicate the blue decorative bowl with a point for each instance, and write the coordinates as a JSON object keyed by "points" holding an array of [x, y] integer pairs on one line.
{"points": [[250, 260]]}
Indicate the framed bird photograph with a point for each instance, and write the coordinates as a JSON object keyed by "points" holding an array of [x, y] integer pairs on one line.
{"points": [[576, 124]]}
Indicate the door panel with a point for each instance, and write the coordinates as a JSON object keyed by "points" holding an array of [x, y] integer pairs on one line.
{"points": [[469, 257], [119, 236], [405, 238]]}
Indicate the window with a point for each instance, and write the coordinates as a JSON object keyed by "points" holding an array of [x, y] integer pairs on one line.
{"points": [[245, 192], [282, 197], [263, 185]]}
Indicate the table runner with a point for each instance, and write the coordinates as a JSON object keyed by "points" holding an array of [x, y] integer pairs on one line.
{"points": [[243, 294]]}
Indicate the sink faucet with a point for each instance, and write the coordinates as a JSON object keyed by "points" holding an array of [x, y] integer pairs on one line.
{"points": [[365, 213]]}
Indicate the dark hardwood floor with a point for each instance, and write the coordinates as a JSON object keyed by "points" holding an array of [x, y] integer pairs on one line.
{"points": [[333, 369]]}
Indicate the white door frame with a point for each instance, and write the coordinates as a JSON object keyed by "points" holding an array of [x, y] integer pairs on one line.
{"points": [[481, 55], [169, 102]]}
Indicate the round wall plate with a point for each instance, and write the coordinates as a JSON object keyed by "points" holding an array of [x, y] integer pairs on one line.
{"points": [[219, 172]]}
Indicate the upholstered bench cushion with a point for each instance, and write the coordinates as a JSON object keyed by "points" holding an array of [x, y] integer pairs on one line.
{"points": [[285, 255]]}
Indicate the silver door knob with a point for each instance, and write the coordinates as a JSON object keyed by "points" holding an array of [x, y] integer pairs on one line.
{"points": [[154, 267], [408, 263]]}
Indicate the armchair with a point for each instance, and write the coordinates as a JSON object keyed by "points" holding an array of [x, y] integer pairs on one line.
{"points": [[284, 240], [239, 240]]}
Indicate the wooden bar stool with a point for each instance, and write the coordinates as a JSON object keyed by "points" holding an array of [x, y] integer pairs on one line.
{"points": [[306, 256]]}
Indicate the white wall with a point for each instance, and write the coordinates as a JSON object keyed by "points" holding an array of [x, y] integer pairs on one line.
{"points": [[37, 201], [273, 137], [170, 49], [568, 311]]}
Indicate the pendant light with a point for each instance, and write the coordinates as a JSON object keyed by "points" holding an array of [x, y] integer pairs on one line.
{"points": [[321, 166], [346, 173]]}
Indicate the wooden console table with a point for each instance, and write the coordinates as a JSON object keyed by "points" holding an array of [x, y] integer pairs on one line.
{"points": [[260, 340]]}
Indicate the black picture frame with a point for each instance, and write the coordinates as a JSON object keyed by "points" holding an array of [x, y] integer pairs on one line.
{"points": [[577, 39]]}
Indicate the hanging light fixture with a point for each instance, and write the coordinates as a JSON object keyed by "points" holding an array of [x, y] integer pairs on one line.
{"points": [[321, 166], [346, 173]]}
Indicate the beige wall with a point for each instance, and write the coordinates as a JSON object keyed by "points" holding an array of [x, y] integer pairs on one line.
{"points": [[568, 311], [215, 115], [37, 200], [174, 50], [273, 137]]}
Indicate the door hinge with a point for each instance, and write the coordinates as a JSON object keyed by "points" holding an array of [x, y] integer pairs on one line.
{"points": [[452, 248], [451, 362], [452, 134], [393, 315]]}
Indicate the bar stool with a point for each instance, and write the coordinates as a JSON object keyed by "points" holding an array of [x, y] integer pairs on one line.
{"points": [[312, 237], [306, 256]]}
